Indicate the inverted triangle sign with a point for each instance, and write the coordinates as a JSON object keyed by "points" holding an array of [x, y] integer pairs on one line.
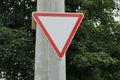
{"points": [[59, 29]]}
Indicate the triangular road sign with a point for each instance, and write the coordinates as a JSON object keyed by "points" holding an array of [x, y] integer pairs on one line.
{"points": [[59, 29]]}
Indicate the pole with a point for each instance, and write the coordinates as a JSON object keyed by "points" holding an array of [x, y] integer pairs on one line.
{"points": [[47, 64]]}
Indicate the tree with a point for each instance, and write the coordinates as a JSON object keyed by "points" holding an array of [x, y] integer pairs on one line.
{"points": [[98, 34], [16, 54], [16, 13]]}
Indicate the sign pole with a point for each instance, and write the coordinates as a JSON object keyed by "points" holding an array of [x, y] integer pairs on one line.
{"points": [[47, 64]]}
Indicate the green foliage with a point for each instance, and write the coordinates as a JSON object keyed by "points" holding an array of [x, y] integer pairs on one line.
{"points": [[95, 51], [96, 66], [16, 13], [16, 54], [98, 60]]}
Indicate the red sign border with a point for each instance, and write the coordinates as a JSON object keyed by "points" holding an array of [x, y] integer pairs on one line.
{"points": [[66, 45]]}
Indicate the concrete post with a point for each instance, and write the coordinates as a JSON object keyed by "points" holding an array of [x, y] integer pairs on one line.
{"points": [[47, 64]]}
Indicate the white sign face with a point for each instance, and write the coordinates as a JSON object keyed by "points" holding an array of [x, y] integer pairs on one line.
{"points": [[59, 29]]}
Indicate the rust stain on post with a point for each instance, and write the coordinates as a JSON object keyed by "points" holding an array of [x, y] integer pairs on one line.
{"points": [[33, 24]]}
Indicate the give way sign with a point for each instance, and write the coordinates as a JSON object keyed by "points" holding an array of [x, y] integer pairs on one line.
{"points": [[59, 29]]}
